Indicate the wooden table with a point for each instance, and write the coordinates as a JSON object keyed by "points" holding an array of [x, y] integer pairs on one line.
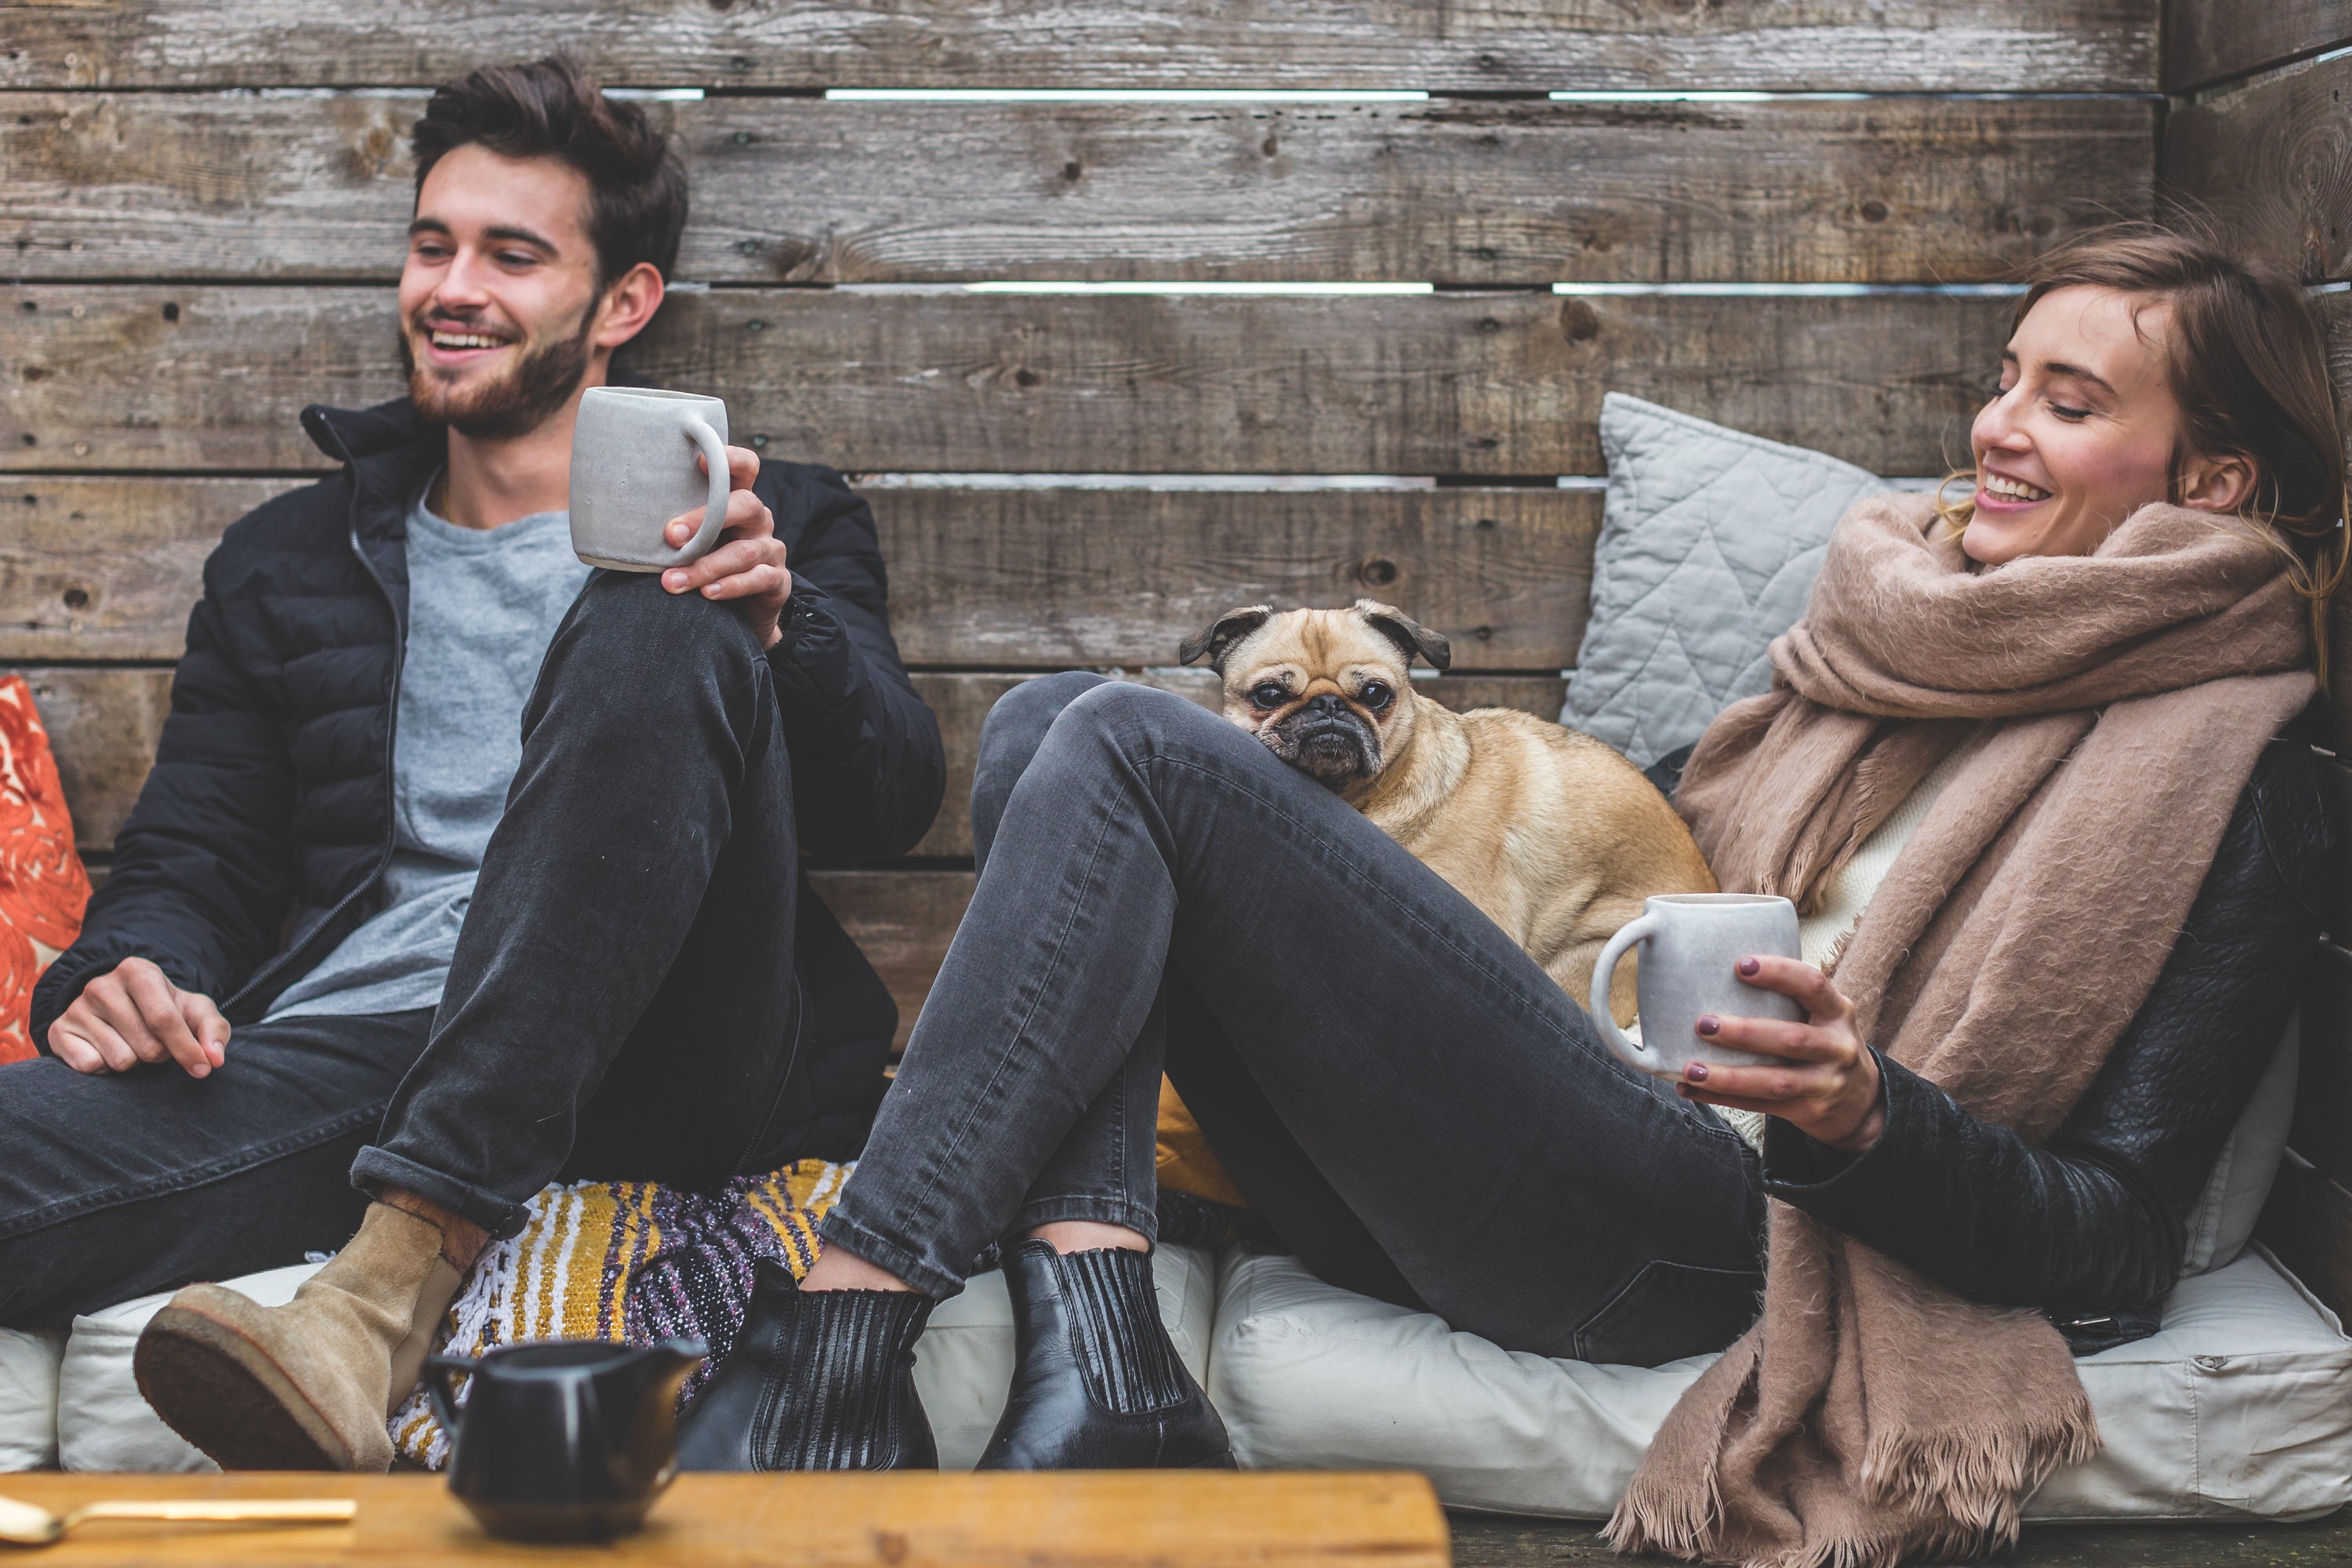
{"points": [[1104, 1520]]}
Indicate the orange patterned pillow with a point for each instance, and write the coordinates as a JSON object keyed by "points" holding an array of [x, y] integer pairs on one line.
{"points": [[42, 885]]}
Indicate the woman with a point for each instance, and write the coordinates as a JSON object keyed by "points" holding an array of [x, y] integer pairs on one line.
{"points": [[2017, 747]]}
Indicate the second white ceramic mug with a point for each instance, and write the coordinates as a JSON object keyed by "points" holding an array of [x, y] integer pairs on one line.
{"points": [[633, 452], [1690, 942]]}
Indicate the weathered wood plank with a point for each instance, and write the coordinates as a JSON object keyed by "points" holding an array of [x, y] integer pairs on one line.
{"points": [[901, 921], [2322, 1102], [2335, 320], [2209, 41], [2339, 673], [2272, 166], [104, 725], [2308, 1223], [1966, 46], [1047, 579], [104, 722], [317, 187], [1019, 579], [151, 378], [110, 568], [918, 1519]]}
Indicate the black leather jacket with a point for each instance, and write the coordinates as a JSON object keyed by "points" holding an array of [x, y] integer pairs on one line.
{"points": [[2091, 1224]]}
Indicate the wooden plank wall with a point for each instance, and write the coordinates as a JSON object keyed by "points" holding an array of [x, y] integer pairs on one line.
{"points": [[200, 215], [2258, 140]]}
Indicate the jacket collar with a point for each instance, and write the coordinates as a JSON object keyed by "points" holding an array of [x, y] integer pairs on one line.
{"points": [[389, 450]]}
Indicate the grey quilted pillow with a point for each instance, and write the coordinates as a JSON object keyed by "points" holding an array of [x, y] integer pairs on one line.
{"points": [[1708, 546]]}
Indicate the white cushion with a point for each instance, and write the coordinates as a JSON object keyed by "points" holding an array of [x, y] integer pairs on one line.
{"points": [[2218, 1228], [102, 1423], [28, 1398], [2242, 1405], [1709, 543], [963, 1364]]}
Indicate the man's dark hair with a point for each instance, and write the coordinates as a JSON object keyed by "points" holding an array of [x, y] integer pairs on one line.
{"points": [[549, 108]]}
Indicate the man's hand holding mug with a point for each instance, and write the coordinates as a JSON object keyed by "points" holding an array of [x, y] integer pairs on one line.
{"points": [[746, 568]]}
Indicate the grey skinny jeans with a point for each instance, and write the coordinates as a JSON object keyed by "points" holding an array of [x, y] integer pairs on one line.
{"points": [[1408, 1098]]}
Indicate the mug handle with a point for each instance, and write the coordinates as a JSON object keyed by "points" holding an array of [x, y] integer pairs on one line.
{"points": [[714, 511], [438, 1392], [1640, 1057]]}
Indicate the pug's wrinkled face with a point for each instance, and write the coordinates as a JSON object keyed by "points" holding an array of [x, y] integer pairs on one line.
{"points": [[1327, 690]]}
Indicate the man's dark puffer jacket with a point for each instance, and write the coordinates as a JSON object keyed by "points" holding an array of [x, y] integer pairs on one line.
{"points": [[269, 810], [2089, 1227]]}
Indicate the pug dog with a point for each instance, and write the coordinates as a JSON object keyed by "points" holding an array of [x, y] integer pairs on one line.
{"points": [[1554, 836]]}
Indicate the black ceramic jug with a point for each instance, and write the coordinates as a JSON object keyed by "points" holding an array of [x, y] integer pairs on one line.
{"points": [[563, 1439]]}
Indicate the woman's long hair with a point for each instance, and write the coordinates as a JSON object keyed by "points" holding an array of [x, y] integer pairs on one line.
{"points": [[2247, 365]]}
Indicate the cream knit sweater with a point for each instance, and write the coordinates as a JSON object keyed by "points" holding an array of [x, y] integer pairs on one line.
{"points": [[1821, 936]]}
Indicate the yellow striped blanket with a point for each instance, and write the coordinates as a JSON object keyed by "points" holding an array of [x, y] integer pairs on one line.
{"points": [[631, 1261]]}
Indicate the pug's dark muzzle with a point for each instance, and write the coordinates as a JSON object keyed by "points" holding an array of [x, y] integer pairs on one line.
{"points": [[1328, 743]]}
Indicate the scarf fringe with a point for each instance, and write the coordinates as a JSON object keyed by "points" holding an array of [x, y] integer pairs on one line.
{"points": [[1974, 1479], [1954, 1495], [1645, 1527], [1666, 1519], [1640, 1530]]}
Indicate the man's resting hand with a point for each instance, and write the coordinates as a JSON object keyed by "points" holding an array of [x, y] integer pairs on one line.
{"points": [[746, 567], [132, 1015]]}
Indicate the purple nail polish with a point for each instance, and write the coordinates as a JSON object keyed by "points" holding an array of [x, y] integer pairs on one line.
{"points": [[1695, 1072], [1709, 1023], [1749, 965]]}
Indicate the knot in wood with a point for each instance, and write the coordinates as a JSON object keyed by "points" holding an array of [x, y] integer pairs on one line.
{"points": [[1578, 321]]}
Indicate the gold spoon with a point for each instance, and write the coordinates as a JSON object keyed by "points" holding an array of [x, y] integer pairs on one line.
{"points": [[27, 1524]]}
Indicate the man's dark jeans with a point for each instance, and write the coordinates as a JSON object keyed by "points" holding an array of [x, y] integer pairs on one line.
{"points": [[623, 1003], [1410, 1101]]}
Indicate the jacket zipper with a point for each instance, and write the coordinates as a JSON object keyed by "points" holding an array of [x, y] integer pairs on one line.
{"points": [[391, 778]]}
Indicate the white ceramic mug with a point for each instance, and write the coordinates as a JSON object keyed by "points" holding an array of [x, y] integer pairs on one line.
{"points": [[1690, 942], [633, 469]]}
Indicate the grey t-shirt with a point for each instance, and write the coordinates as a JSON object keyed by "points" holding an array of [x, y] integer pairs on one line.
{"points": [[482, 607]]}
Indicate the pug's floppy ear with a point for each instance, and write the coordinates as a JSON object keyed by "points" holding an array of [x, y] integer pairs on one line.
{"points": [[1219, 639], [1410, 636]]}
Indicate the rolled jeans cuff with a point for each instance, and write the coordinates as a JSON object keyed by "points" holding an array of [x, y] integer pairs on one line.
{"points": [[1100, 1208], [375, 1170], [837, 1229]]}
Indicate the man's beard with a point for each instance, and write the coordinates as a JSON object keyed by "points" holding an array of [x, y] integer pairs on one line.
{"points": [[512, 404]]}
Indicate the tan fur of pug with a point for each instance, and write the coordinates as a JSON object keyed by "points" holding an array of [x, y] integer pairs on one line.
{"points": [[1555, 836]]}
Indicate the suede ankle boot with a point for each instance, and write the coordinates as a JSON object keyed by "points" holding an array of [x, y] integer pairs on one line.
{"points": [[1096, 1385], [306, 1386], [817, 1380]]}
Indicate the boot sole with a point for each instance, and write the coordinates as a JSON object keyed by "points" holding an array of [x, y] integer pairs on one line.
{"points": [[221, 1392]]}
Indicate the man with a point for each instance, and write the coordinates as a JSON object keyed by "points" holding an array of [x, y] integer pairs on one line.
{"points": [[463, 868]]}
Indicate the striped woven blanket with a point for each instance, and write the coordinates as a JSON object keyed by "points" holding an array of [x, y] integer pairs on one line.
{"points": [[632, 1261]]}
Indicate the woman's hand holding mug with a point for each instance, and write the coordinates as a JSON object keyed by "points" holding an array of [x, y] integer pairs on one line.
{"points": [[1733, 1017], [1824, 1082]]}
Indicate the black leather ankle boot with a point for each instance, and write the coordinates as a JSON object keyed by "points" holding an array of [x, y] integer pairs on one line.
{"points": [[1095, 1384], [818, 1379]]}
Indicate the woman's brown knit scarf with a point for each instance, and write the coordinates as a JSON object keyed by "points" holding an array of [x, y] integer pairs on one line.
{"points": [[1871, 1412]]}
